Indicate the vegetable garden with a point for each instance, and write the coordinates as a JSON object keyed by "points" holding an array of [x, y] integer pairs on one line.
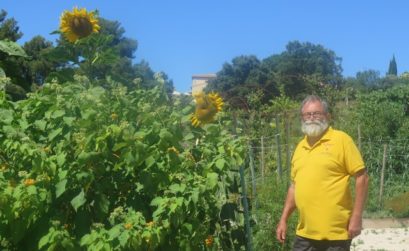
{"points": [[88, 162]]}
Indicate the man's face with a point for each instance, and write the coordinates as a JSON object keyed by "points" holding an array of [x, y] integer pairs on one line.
{"points": [[314, 119]]}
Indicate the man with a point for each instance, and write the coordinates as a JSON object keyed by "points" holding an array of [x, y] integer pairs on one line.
{"points": [[322, 165]]}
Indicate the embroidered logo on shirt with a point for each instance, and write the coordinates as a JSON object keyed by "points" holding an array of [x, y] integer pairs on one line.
{"points": [[327, 146]]}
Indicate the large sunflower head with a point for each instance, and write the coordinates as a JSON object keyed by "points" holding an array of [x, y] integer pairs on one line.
{"points": [[207, 106], [78, 24]]}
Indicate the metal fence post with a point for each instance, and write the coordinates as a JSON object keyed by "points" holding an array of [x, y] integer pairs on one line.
{"points": [[262, 158], [249, 246], [253, 178], [279, 169]]}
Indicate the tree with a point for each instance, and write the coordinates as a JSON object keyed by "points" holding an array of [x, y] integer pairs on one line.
{"points": [[393, 69], [301, 60], [9, 28], [302, 68], [368, 78], [37, 67], [236, 80]]}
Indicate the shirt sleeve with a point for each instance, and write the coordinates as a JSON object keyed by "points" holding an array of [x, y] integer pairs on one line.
{"points": [[352, 157]]}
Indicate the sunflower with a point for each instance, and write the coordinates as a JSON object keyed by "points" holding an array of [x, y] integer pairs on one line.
{"points": [[207, 106], [78, 24]]}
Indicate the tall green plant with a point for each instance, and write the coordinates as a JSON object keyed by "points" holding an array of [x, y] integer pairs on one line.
{"points": [[88, 168]]}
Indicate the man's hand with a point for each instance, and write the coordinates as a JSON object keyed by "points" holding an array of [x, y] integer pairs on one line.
{"points": [[354, 227], [289, 207], [281, 231], [361, 191]]}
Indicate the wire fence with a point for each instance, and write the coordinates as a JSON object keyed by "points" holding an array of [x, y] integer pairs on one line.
{"points": [[269, 157]]}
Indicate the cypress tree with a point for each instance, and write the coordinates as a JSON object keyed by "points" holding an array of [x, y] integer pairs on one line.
{"points": [[393, 69]]}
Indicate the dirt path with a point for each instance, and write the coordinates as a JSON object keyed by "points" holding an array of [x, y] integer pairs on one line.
{"points": [[383, 235]]}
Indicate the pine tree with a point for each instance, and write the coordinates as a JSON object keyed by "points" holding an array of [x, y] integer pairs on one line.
{"points": [[393, 69]]}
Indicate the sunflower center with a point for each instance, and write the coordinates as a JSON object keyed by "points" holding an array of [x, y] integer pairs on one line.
{"points": [[206, 114], [81, 26]]}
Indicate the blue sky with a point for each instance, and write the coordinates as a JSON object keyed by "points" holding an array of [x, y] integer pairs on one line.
{"points": [[186, 37]]}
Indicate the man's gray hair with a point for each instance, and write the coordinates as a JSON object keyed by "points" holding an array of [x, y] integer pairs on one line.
{"points": [[314, 98]]}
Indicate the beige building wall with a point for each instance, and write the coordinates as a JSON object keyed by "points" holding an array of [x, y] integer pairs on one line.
{"points": [[200, 81]]}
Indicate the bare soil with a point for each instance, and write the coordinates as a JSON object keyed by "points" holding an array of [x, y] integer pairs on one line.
{"points": [[387, 234], [385, 223]]}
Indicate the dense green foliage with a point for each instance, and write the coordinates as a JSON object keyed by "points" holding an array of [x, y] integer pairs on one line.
{"points": [[9, 28], [113, 170], [99, 156]]}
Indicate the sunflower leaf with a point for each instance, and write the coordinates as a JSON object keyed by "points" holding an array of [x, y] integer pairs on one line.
{"points": [[12, 48], [78, 200]]}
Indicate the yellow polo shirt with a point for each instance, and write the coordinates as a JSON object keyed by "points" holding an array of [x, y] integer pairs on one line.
{"points": [[321, 176]]}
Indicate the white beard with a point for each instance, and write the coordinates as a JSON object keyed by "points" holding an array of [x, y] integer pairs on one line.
{"points": [[314, 128]]}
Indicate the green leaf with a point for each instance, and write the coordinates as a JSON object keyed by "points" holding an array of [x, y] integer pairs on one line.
{"points": [[32, 190], [62, 174], [186, 119], [6, 116], [57, 114], [67, 244], [211, 180], [140, 134], [69, 120], [45, 239], [165, 135], [123, 239], [60, 188], [220, 164], [177, 188], [61, 159], [54, 133], [114, 232], [187, 109], [2, 73], [103, 203], [188, 227], [40, 124], [195, 196], [189, 136], [157, 201], [78, 201], [150, 161], [118, 146], [88, 114], [87, 156], [86, 239], [12, 48], [211, 128]]}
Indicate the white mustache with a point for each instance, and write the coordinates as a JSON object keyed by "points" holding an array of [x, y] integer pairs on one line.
{"points": [[312, 122]]}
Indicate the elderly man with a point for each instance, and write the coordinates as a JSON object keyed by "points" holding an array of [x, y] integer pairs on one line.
{"points": [[321, 167]]}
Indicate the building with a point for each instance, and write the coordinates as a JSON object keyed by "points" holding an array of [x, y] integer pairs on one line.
{"points": [[199, 81]]}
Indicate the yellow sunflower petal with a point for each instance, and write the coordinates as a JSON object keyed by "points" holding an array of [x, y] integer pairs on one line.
{"points": [[78, 24], [207, 106]]}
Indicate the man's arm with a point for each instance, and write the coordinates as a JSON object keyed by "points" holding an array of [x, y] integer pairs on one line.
{"points": [[289, 207], [361, 190]]}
